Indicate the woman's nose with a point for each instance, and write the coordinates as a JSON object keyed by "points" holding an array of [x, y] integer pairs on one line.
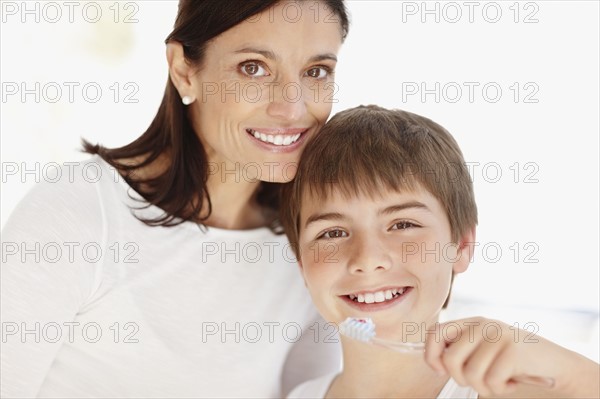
{"points": [[287, 101]]}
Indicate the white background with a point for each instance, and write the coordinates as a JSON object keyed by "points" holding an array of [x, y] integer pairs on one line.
{"points": [[549, 49]]}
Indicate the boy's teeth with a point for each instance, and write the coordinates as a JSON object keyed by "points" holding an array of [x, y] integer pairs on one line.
{"points": [[278, 139], [377, 297]]}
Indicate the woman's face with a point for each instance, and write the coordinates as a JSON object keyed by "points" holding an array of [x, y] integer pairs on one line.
{"points": [[264, 88]]}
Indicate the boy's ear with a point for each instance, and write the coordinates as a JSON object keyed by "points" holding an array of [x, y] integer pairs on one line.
{"points": [[465, 251], [180, 70]]}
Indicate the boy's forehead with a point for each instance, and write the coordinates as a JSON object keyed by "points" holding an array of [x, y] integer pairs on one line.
{"points": [[336, 199]]}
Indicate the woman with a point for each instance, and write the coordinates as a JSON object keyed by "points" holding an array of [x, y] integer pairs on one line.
{"points": [[164, 276]]}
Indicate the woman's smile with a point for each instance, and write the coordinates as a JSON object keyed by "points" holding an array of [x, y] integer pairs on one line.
{"points": [[278, 139]]}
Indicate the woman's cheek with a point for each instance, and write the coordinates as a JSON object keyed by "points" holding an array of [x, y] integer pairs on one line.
{"points": [[320, 103]]}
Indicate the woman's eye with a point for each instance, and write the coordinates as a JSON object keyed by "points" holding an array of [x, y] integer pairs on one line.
{"points": [[253, 69], [403, 225], [334, 234], [318, 72]]}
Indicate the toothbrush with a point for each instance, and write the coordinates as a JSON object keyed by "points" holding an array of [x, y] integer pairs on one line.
{"points": [[364, 330]]}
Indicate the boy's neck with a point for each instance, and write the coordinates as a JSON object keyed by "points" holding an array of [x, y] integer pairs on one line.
{"points": [[372, 371]]}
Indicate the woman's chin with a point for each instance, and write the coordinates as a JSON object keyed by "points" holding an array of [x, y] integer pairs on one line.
{"points": [[279, 180], [278, 176]]}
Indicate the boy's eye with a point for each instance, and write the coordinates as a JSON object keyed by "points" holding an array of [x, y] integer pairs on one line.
{"points": [[253, 68], [320, 72], [334, 234], [403, 225]]}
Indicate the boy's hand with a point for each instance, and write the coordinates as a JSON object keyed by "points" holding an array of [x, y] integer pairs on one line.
{"points": [[491, 357]]}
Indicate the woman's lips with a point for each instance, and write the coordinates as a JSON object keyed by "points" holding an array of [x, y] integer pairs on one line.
{"points": [[278, 140]]}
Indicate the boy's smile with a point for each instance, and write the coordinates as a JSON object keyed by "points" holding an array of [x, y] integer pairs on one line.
{"points": [[389, 256], [368, 301]]}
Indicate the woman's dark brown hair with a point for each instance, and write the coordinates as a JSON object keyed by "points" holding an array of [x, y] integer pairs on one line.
{"points": [[181, 189]]}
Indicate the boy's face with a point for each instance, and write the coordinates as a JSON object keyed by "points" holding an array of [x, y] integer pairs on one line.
{"points": [[389, 258]]}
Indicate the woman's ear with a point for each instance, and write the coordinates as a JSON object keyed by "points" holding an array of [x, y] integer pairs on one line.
{"points": [[180, 70], [465, 251]]}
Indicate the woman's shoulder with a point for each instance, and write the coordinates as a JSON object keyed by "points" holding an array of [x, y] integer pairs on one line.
{"points": [[72, 180], [69, 194], [314, 389]]}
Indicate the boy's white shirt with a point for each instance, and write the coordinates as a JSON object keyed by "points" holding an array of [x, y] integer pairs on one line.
{"points": [[318, 388]]}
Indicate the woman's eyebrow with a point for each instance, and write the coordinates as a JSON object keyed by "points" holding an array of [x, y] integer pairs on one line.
{"points": [[254, 50], [321, 57], [270, 55], [323, 216]]}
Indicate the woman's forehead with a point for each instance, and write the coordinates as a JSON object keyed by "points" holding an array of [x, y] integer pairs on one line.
{"points": [[280, 30]]}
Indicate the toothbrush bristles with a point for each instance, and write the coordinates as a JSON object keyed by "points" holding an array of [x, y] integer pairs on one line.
{"points": [[364, 330], [358, 329]]}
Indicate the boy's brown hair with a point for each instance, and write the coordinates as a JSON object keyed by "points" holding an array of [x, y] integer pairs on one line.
{"points": [[368, 148]]}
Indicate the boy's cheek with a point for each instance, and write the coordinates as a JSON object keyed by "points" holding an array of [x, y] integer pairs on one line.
{"points": [[425, 252], [318, 254], [319, 287], [436, 284]]}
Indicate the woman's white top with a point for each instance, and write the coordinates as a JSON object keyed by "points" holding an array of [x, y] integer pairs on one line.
{"points": [[318, 388], [97, 304]]}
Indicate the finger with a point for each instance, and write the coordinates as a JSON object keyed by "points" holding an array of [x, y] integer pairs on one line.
{"points": [[434, 348], [477, 366], [456, 356], [498, 376]]}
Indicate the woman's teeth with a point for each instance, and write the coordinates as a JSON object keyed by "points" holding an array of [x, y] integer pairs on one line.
{"points": [[379, 296], [277, 139]]}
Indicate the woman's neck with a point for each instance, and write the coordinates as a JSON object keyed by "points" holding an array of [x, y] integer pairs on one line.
{"points": [[372, 371], [233, 197], [234, 204]]}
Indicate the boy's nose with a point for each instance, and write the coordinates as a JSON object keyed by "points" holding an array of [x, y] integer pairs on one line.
{"points": [[369, 256]]}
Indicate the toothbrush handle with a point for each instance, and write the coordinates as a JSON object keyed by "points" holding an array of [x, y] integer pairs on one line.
{"points": [[399, 346], [544, 382]]}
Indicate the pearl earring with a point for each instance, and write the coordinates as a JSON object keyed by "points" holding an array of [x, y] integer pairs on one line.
{"points": [[187, 100]]}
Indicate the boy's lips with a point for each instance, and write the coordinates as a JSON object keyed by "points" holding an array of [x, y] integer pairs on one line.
{"points": [[377, 300]]}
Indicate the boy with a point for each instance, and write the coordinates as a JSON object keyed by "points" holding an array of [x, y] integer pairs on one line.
{"points": [[381, 215]]}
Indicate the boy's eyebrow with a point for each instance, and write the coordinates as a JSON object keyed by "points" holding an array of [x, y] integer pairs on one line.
{"points": [[386, 211], [401, 207], [323, 216], [268, 54]]}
